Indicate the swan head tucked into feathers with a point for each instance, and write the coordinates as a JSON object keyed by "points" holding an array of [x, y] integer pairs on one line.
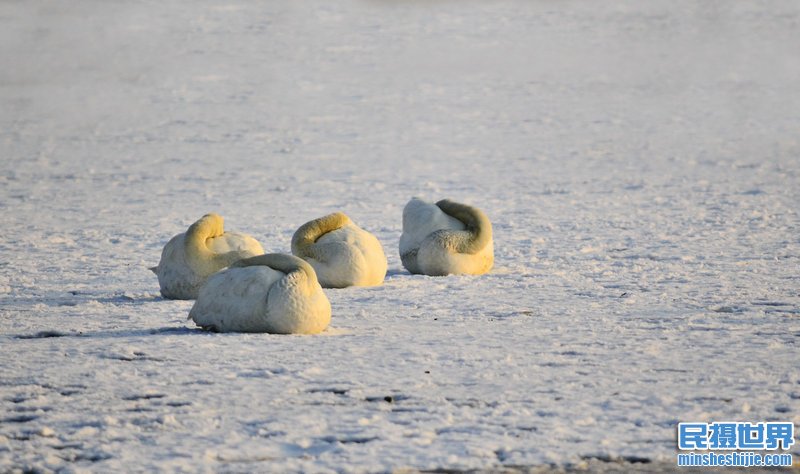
{"points": [[341, 253], [445, 238], [307, 235], [476, 223], [199, 256]]}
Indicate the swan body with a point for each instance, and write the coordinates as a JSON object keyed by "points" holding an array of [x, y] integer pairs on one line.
{"points": [[445, 238], [190, 258], [275, 293], [341, 253]]}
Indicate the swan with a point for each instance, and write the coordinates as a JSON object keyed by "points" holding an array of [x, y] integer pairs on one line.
{"points": [[275, 293], [190, 258], [342, 253], [445, 238]]}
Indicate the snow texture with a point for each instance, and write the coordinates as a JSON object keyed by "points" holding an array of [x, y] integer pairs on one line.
{"points": [[639, 161]]}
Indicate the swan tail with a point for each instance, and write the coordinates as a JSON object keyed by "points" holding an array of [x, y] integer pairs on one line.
{"points": [[308, 233], [295, 268], [154, 269], [476, 222]]}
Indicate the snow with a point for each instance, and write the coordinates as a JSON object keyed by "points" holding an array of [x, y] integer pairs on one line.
{"points": [[640, 163]]}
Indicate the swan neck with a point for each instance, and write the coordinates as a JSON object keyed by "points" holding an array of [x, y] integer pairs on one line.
{"points": [[476, 222], [198, 254], [305, 237]]}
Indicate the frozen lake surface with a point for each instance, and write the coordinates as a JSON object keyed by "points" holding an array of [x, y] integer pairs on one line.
{"points": [[640, 162]]}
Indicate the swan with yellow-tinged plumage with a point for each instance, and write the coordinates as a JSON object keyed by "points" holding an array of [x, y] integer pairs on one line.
{"points": [[190, 258], [342, 253], [446, 238], [274, 293]]}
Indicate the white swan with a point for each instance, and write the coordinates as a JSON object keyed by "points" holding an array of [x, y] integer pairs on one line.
{"points": [[445, 238], [276, 293], [190, 258], [342, 253]]}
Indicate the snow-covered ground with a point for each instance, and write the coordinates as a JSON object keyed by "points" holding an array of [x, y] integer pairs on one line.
{"points": [[640, 162]]}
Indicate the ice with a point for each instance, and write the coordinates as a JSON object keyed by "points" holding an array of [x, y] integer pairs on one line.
{"points": [[640, 163]]}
